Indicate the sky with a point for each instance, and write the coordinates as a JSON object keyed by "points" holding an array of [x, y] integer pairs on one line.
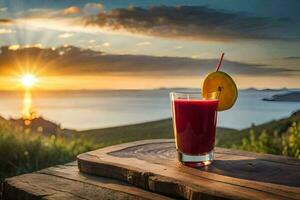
{"points": [[122, 44]]}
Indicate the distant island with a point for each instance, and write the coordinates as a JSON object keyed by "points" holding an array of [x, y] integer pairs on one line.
{"points": [[287, 97], [266, 89]]}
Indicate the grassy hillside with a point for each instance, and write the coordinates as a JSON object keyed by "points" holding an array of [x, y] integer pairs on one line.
{"points": [[227, 139], [163, 129], [148, 130], [24, 151]]}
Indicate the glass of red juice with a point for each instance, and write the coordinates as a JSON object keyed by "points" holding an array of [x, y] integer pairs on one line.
{"points": [[194, 123]]}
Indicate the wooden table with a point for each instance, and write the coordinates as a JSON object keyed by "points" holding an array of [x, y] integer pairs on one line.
{"points": [[148, 170], [64, 182]]}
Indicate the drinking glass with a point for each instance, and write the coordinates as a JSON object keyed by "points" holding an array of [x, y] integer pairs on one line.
{"points": [[194, 123]]}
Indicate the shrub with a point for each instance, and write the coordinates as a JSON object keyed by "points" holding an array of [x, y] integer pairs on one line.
{"points": [[23, 151], [286, 143]]}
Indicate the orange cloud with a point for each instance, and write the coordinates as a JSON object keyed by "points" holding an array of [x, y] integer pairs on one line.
{"points": [[76, 68], [72, 10], [14, 47], [6, 21], [70, 60]]}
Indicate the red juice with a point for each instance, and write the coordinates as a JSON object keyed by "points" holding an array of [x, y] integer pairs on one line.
{"points": [[195, 125]]}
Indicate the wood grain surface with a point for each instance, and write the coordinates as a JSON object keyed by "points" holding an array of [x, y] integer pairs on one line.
{"points": [[66, 182], [152, 165]]}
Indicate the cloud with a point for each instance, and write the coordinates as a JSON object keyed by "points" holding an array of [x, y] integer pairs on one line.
{"points": [[14, 47], [188, 22], [6, 21], [6, 31], [66, 35], [71, 60], [51, 13], [72, 10], [143, 43], [37, 45], [92, 8], [65, 20], [3, 9], [106, 44], [40, 13]]}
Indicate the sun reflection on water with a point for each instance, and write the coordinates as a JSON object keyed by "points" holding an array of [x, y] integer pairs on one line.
{"points": [[28, 112]]}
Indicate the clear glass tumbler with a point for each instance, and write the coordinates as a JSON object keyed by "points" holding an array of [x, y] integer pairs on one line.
{"points": [[194, 122]]}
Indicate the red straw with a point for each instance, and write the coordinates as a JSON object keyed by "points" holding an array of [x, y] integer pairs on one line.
{"points": [[220, 62]]}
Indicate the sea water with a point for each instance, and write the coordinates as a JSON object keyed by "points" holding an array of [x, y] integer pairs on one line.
{"points": [[106, 108]]}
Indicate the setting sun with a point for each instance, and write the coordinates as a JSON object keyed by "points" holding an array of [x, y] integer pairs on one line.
{"points": [[28, 80]]}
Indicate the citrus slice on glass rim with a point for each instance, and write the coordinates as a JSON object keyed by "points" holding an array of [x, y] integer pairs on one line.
{"points": [[220, 82]]}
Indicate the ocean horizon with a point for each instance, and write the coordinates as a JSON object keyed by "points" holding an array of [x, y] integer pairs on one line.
{"points": [[91, 109]]}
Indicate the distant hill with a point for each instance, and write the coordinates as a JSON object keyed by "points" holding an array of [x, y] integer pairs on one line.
{"points": [[226, 137], [266, 89], [21, 151], [147, 130], [163, 129], [235, 137], [289, 97], [36, 125]]}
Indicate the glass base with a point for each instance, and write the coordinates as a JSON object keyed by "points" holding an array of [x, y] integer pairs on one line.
{"points": [[196, 161]]}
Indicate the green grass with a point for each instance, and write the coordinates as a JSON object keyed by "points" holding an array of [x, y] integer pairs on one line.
{"points": [[23, 151], [149, 130], [227, 139], [284, 143]]}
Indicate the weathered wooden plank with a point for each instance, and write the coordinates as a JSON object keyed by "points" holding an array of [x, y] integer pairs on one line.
{"points": [[152, 165], [65, 182]]}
